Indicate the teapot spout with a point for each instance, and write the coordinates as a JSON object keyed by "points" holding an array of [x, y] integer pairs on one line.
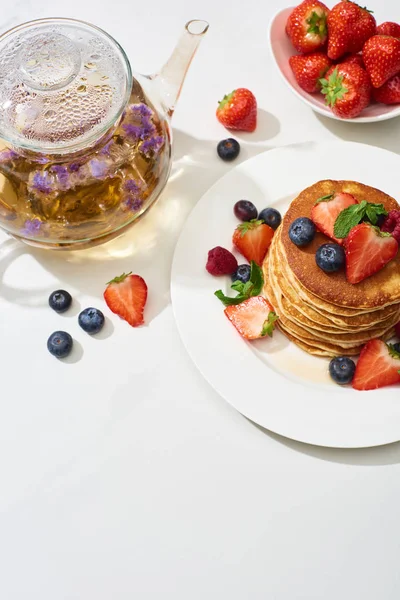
{"points": [[172, 76]]}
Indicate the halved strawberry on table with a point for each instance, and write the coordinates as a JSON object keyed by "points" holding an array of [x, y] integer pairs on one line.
{"points": [[306, 26], [252, 239], [367, 250], [326, 210], [349, 27], [381, 56], [347, 90], [126, 295], [309, 69], [254, 318], [378, 366]]}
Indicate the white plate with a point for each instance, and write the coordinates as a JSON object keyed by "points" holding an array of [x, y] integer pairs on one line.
{"points": [[282, 49], [273, 382]]}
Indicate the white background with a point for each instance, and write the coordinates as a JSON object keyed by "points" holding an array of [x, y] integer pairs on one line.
{"points": [[143, 483]]}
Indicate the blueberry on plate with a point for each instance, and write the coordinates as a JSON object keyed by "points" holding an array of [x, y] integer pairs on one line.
{"points": [[341, 369], [396, 347], [60, 344], [245, 210], [91, 320], [330, 257], [242, 273], [60, 300], [271, 217], [302, 231], [228, 149]]}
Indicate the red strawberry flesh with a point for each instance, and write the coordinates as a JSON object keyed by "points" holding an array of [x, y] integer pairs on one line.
{"points": [[325, 212], [254, 318], [126, 296], [377, 366], [253, 239], [367, 251]]}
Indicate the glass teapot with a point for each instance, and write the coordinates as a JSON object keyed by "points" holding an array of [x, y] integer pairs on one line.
{"points": [[85, 146]]}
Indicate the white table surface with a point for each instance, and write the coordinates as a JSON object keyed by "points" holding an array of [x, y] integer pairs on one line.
{"points": [[164, 491]]}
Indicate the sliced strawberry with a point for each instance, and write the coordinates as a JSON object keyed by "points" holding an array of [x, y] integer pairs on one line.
{"points": [[309, 69], [252, 239], [326, 210], [378, 366], [254, 318], [368, 250], [126, 296]]}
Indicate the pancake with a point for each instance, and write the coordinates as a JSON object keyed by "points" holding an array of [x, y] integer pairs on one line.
{"points": [[380, 290]]}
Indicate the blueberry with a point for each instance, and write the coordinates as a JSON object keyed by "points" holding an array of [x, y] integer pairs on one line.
{"points": [[271, 217], [245, 210], [302, 231], [242, 274], [341, 369], [91, 320], [330, 257], [60, 300], [60, 344], [228, 149], [396, 347]]}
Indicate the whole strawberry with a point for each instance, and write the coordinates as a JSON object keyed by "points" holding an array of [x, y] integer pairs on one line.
{"points": [[389, 28], [356, 59], [389, 92], [238, 110], [309, 69], [349, 27], [347, 90], [306, 26], [381, 56]]}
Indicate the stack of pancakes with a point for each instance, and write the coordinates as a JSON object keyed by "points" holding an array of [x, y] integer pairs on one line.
{"points": [[323, 313]]}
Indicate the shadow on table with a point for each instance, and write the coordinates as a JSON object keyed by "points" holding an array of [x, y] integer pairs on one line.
{"points": [[385, 134], [377, 456], [147, 248]]}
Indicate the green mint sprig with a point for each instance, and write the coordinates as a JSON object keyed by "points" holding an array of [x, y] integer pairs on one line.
{"points": [[245, 290], [354, 214]]}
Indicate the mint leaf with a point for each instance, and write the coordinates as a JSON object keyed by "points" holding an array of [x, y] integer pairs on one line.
{"points": [[349, 218], [253, 287], [269, 324], [324, 199], [371, 215]]}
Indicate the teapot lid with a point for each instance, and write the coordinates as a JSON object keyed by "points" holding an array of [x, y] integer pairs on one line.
{"points": [[63, 84]]}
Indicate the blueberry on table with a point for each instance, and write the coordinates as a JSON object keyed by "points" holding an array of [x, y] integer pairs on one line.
{"points": [[271, 217], [60, 344], [91, 320], [342, 369], [245, 210], [242, 273], [330, 257], [302, 231], [60, 300], [228, 149]]}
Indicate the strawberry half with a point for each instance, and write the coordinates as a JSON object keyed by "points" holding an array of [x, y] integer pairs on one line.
{"points": [[309, 69], [389, 92], [126, 296], [306, 26], [347, 90], [349, 27], [378, 366], [389, 28], [381, 56], [326, 210], [368, 250], [238, 110], [252, 239], [254, 318]]}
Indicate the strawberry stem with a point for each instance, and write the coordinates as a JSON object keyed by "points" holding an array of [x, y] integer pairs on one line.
{"points": [[269, 324], [225, 100], [333, 88], [119, 278], [317, 24]]}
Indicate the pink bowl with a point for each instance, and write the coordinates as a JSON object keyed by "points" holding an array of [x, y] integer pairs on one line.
{"points": [[282, 49]]}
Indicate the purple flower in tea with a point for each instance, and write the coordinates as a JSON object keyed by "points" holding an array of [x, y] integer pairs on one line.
{"points": [[32, 227], [134, 204], [98, 168], [133, 131], [73, 167], [131, 187], [42, 182], [142, 109], [152, 145], [8, 155], [105, 151], [148, 128], [62, 176]]}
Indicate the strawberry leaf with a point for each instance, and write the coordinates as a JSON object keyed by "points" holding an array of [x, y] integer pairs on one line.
{"points": [[324, 198], [248, 225], [119, 278], [333, 88], [269, 324], [317, 23]]}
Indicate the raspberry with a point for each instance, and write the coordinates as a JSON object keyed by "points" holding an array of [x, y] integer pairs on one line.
{"points": [[392, 224], [221, 262]]}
